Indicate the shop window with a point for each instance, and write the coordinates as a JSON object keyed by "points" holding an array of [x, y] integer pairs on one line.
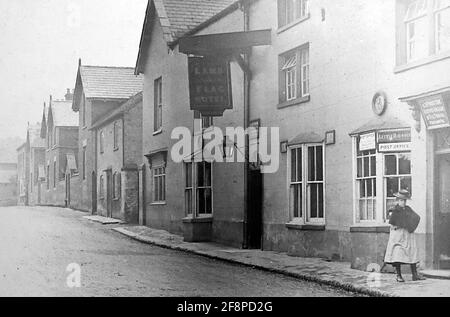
{"points": [[306, 183], [294, 74], [159, 184], [290, 11], [366, 185], [397, 175], [378, 176], [188, 191]]}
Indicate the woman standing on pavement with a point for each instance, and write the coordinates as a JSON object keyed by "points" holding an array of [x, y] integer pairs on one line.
{"points": [[402, 248]]}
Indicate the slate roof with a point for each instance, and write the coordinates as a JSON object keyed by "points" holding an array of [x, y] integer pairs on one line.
{"points": [[127, 106], [63, 115], [185, 15], [103, 82], [180, 18]]}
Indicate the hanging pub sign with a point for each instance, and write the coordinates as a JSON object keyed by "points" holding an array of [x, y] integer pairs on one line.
{"points": [[395, 140], [210, 85], [434, 112]]}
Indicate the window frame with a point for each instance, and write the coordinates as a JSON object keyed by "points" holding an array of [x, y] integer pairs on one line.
{"points": [[159, 188], [397, 176], [102, 141], [437, 12], [116, 135], [294, 65], [158, 105], [305, 217], [290, 12], [381, 188], [195, 188]]}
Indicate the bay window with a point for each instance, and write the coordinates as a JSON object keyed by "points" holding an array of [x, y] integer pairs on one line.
{"points": [[306, 183], [378, 176]]}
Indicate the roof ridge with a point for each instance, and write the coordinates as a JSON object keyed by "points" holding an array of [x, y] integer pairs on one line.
{"points": [[100, 66]]}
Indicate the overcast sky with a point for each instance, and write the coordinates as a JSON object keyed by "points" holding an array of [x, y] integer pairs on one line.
{"points": [[41, 41]]}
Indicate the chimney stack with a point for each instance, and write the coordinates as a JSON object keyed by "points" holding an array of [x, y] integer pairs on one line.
{"points": [[69, 95]]}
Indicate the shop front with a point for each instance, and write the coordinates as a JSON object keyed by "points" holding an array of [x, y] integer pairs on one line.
{"points": [[431, 111]]}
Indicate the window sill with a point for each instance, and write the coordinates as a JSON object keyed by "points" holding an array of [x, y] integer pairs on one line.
{"points": [[381, 228], [422, 62], [292, 24], [305, 227], [294, 102], [159, 204], [157, 132], [198, 220]]}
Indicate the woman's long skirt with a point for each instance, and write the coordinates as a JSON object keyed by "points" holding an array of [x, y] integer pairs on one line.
{"points": [[401, 248]]}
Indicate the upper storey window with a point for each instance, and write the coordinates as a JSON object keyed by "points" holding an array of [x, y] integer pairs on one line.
{"points": [[290, 11]]}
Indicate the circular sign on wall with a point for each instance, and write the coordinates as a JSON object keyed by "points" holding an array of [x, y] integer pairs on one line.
{"points": [[379, 103]]}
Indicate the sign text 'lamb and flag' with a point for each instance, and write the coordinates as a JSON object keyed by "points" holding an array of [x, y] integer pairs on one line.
{"points": [[210, 85]]}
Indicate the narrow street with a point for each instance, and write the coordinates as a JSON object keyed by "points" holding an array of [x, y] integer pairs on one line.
{"points": [[38, 243]]}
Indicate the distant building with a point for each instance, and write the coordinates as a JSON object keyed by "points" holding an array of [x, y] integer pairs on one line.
{"points": [[8, 184], [98, 91], [61, 164], [118, 157]]}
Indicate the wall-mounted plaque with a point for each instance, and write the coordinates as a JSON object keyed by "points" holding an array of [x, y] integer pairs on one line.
{"points": [[434, 112]]}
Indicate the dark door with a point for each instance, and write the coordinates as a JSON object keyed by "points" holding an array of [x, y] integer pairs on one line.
{"points": [[109, 194], [254, 210], [67, 190], [442, 236], [94, 193]]}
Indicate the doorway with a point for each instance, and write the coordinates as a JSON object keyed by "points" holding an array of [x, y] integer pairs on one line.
{"points": [[109, 193], [254, 224], [67, 190], [442, 213]]}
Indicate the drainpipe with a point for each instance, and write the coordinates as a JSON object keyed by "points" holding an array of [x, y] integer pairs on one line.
{"points": [[245, 8]]}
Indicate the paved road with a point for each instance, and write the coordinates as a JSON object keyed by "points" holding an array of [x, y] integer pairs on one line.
{"points": [[38, 243]]}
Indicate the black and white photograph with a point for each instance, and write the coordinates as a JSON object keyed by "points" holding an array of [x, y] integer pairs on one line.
{"points": [[224, 153]]}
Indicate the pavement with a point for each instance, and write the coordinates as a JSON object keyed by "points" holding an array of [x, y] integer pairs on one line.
{"points": [[335, 274], [46, 251], [103, 220]]}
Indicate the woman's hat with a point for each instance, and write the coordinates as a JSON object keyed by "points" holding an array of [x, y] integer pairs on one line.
{"points": [[403, 194]]}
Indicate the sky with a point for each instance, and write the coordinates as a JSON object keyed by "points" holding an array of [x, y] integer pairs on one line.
{"points": [[41, 42]]}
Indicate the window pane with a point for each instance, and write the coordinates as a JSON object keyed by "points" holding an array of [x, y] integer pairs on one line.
{"points": [[296, 199], [362, 188], [405, 183], [443, 30], [189, 175], [404, 164], [188, 201], [391, 186], [369, 187], [366, 166], [201, 201], [163, 188], [373, 166], [319, 163], [313, 200], [200, 175], [321, 202], [207, 174], [359, 167], [294, 165], [390, 162], [208, 201], [362, 209], [311, 163]]}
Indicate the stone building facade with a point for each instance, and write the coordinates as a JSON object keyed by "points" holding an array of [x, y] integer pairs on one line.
{"points": [[118, 157]]}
